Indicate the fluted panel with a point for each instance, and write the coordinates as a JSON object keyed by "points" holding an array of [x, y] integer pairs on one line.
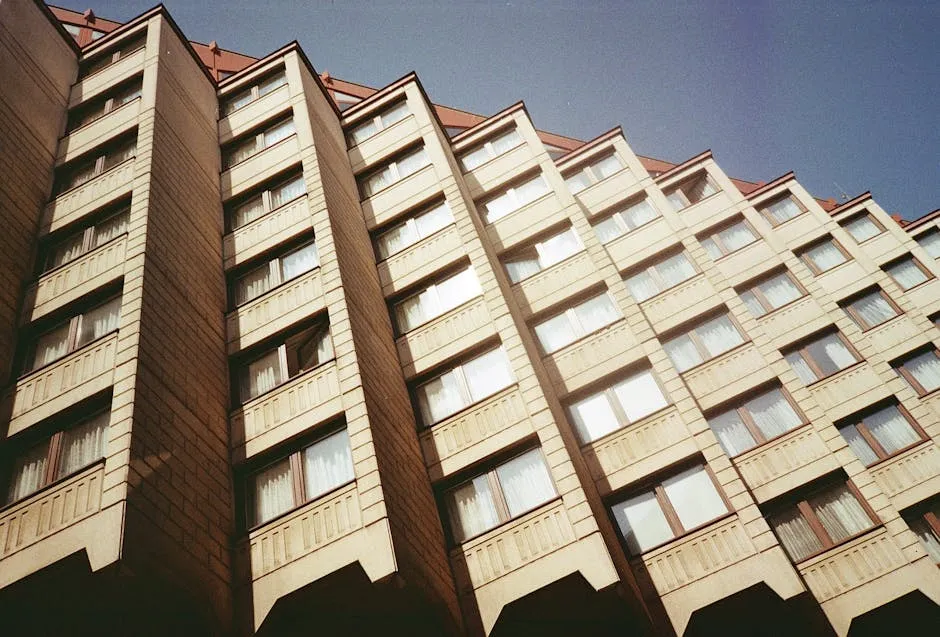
{"points": [[710, 381], [555, 283], [265, 232], [445, 336], [796, 449], [635, 442], [74, 204], [908, 469], [420, 260], [852, 565]]}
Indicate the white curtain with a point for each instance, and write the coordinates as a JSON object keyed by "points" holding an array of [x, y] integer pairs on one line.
{"points": [[457, 290], [718, 335], [364, 131], [796, 535], [736, 237], [675, 270], [928, 538], [753, 305], [609, 229], [639, 213], [779, 290], [241, 151], [271, 83], [557, 248], [29, 471], [578, 182], [394, 114], [783, 210], [397, 239], [677, 199], [412, 163], [327, 464], [607, 167], [772, 414], [525, 482], [472, 509], [711, 248], [506, 142], [99, 321], [907, 274], [522, 267], [500, 206], [51, 346], [640, 396], [859, 445], [111, 228], [802, 368], [83, 445], [931, 243], [836, 351], [594, 417], [732, 434], [891, 429], [873, 310], [682, 352], [278, 132], [487, 374], [825, 256], [925, 368], [287, 192], [261, 375], [642, 286], [840, 513], [862, 228], [274, 493], [596, 313], [254, 284], [68, 250], [531, 190], [299, 261], [700, 188], [694, 497], [247, 212], [642, 522], [440, 398], [236, 101], [555, 333], [120, 154], [433, 220]]}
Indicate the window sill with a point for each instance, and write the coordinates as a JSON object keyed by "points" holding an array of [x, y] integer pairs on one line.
{"points": [[466, 408], [378, 132], [628, 232], [703, 200], [395, 183], [701, 365], [819, 273], [819, 381], [71, 262], [254, 399], [581, 339], [489, 222], [663, 292], [254, 101], [624, 169], [744, 247], [49, 487], [416, 243], [69, 133], [99, 175], [761, 446], [87, 345], [775, 225], [551, 267], [240, 306], [499, 528], [782, 307], [467, 171], [110, 65], [436, 318], [865, 330], [914, 287], [913, 445], [802, 562], [250, 530], [616, 432], [266, 214], [260, 152]]}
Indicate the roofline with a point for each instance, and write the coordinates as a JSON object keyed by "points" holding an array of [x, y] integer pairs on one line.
{"points": [[921, 220], [520, 105], [587, 146], [57, 25], [366, 102], [851, 202], [762, 189], [707, 154]]}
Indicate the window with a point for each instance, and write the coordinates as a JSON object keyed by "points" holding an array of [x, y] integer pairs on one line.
{"points": [[703, 342], [278, 270], [453, 131], [825, 518], [231, 102], [253, 143], [531, 260], [464, 385], [598, 170], [615, 407], [908, 272], [514, 198], [393, 172], [862, 227], [771, 294], [669, 509], [99, 107], [75, 333], [59, 457], [502, 143], [259, 204], [83, 241], [729, 239], [90, 166], [109, 57], [691, 191], [497, 496], [623, 221], [880, 434], [823, 256], [930, 242], [414, 229], [555, 152], [921, 371], [660, 276], [297, 354], [73, 29], [821, 357], [782, 209], [925, 523], [344, 101], [755, 421], [576, 322], [436, 299], [871, 309], [303, 476], [373, 125]]}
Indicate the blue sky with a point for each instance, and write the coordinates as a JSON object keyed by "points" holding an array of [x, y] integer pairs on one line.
{"points": [[846, 94]]}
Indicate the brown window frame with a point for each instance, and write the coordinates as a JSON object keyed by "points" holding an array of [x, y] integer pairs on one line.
{"points": [[752, 287], [100, 155], [899, 368], [923, 513], [106, 102], [71, 341], [748, 419], [865, 213], [712, 234], [649, 266], [809, 263], [920, 266], [802, 348], [264, 193], [254, 88], [90, 66], [846, 304], [88, 237], [694, 178], [689, 330], [857, 421], [764, 205]]}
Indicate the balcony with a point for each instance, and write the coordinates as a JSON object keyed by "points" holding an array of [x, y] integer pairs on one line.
{"points": [[800, 229], [607, 192], [109, 126], [925, 296], [556, 283], [785, 463], [243, 119], [843, 280], [680, 303], [73, 280], [107, 77], [386, 142], [420, 260], [883, 247], [525, 222], [642, 243], [639, 449], [500, 170], [727, 375], [275, 310], [713, 563], [708, 212], [405, 193], [63, 383], [895, 337], [750, 260], [72, 205], [475, 433], [591, 357], [266, 232], [261, 166], [848, 391], [794, 321], [285, 411], [910, 477], [421, 349]]}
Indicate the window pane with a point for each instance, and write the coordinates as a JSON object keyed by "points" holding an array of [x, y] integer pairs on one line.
{"points": [[254, 284], [802, 368], [675, 270], [397, 239], [796, 535], [51, 346], [642, 523], [365, 131], [83, 445], [779, 290], [531, 190], [458, 289], [558, 247], [928, 538], [682, 352], [578, 182], [500, 206], [273, 492], [607, 167], [299, 261], [773, 414], [240, 151], [596, 313], [825, 256], [312, 348], [859, 445], [522, 266], [840, 513], [433, 220], [736, 237], [236, 101], [525, 482], [594, 417], [440, 398], [279, 131], [269, 84], [327, 464], [416, 310], [753, 304], [732, 433], [782, 210], [261, 375], [247, 212], [412, 163], [66, 251], [642, 286], [609, 229], [99, 321], [873, 310], [891, 429], [476, 157], [395, 114], [925, 368], [719, 335], [830, 354], [555, 333], [110, 228], [930, 242], [472, 508], [639, 213], [862, 228], [694, 497], [712, 248], [126, 150], [640, 395], [907, 274], [287, 191], [29, 471], [488, 374]]}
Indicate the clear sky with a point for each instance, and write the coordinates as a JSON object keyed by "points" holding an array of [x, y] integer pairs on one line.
{"points": [[846, 94]]}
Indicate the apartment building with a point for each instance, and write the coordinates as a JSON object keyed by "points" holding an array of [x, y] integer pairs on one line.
{"points": [[283, 353]]}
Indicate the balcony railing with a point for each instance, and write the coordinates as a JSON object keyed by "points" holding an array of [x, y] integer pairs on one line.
{"points": [[794, 321], [241, 120], [406, 193], [925, 296], [500, 170], [107, 77], [911, 476], [608, 191], [843, 280], [74, 204], [261, 166], [722, 377], [526, 221], [384, 143], [739, 266], [447, 335], [591, 357], [676, 305], [897, 333], [849, 390], [785, 463], [266, 232], [798, 230], [709, 211], [640, 244], [420, 260], [109, 126], [549, 286]]}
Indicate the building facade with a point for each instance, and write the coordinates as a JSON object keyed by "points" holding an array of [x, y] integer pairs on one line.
{"points": [[283, 353]]}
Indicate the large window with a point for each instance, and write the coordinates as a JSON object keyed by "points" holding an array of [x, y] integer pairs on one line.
{"points": [[90, 166], [925, 523], [502, 143], [231, 102], [105, 59], [908, 272], [393, 172], [515, 197], [691, 191], [614, 407], [297, 354], [464, 385], [823, 519], [871, 309], [755, 421], [782, 209], [278, 270], [771, 293], [703, 342], [823, 255], [83, 241], [881, 433], [821, 357], [930, 241], [511, 489], [598, 170], [436, 299], [78, 331], [260, 203], [98, 107], [921, 370], [624, 220], [576, 322], [660, 276], [669, 509], [728, 239], [256, 141], [532, 259], [405, 234], [303, 476], [59, 456], [374, 125], [862, 227]]}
